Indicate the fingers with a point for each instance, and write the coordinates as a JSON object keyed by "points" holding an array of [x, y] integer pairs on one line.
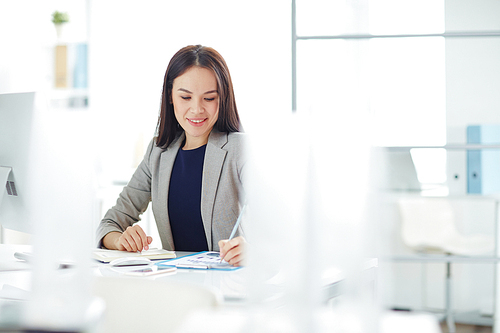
{"points": [[134, 239], [236, 260], [222, 243], [232, 251]]}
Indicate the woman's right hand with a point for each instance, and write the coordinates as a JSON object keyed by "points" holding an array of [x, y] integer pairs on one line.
{"points": [[133, 239]]}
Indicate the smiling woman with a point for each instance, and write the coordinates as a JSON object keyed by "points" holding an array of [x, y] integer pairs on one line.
{"points": [[192, 170], [197, 58], [196, 105]]}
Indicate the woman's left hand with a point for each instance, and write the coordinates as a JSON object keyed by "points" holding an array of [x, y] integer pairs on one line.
{"points": [[233, 251]]}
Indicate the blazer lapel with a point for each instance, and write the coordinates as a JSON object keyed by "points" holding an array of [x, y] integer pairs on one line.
{"points": [[166, 165], [212, 168]]}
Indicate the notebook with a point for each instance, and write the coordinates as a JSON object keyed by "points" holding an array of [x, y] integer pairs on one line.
{"points": [[105, 255]]}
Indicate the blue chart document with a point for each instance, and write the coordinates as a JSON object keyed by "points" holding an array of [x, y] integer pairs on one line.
{"points": [[483, 166], [200, 260]]}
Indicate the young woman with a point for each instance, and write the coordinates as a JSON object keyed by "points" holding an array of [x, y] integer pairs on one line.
{"points": [[192, 170]]}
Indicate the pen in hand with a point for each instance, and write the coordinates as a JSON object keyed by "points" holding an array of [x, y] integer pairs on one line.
{"points": [[236, 226]]}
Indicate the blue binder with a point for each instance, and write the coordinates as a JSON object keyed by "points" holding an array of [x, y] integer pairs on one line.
{"points": [[80, 79], [483, 166]]}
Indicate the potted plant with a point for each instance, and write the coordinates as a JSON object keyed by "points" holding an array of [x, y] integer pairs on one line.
{"points": [[59, 19]]}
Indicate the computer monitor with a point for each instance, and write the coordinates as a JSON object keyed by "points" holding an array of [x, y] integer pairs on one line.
{"points": [[20, 133], [45, 154]]}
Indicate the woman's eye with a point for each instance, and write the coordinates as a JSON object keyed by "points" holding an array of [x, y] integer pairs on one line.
{"points": [[186, 98], [210, 99]]}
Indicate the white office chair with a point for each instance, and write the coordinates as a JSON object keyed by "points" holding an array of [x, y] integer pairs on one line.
{"points": [[141, 305], [429, 224]]}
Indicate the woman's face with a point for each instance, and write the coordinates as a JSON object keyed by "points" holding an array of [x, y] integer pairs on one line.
{"points": [[196, 104]]}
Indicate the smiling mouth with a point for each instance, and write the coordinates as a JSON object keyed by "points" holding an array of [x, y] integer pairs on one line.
{"points": [[196, 121]]}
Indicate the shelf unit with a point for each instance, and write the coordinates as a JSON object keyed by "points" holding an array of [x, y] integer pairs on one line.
{"points": [[448, 147]]}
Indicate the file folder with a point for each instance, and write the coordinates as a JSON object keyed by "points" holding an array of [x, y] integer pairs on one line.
{"points": [[483, 165]]}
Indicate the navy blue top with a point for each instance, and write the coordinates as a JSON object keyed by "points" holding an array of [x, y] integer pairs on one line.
{"points": [[184, 201]]}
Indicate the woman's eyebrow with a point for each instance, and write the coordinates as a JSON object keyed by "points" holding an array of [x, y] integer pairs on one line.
{"points": [[189, 92]]}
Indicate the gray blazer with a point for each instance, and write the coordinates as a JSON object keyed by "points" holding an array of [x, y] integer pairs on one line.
{"points": [[221, 196]]}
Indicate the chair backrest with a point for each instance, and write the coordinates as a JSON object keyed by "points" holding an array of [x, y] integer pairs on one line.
{"points": [[141, 305], [427, 223], [430, 223]]}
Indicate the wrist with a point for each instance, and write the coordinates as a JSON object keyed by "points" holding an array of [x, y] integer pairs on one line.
{"points": [[110, 241]]}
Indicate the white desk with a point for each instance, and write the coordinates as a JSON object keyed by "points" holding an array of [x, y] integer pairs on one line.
{"points": [[232, 285]]}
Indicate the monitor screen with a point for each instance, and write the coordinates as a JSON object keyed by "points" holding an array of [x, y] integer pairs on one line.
{"points": [[17, 127], [45, 156]]}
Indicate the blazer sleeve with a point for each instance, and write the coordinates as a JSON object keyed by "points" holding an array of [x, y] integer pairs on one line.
{"points": [[132, 202], [230, 195]]}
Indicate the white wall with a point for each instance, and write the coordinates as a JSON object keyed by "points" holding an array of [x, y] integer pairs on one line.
{"points": [[132, 43], [27, 37], [472, 67]]}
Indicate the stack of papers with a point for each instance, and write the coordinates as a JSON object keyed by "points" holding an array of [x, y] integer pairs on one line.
{"points": [[104, 255]]}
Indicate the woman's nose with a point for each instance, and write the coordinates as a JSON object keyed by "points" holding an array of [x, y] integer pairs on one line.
{"points": [[197, 107]]}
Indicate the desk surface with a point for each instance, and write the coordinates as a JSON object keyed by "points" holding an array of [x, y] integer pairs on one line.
{"points": [[232, 285]]}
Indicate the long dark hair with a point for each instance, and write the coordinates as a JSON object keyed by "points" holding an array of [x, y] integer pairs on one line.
{"points": [[168, 128]]}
